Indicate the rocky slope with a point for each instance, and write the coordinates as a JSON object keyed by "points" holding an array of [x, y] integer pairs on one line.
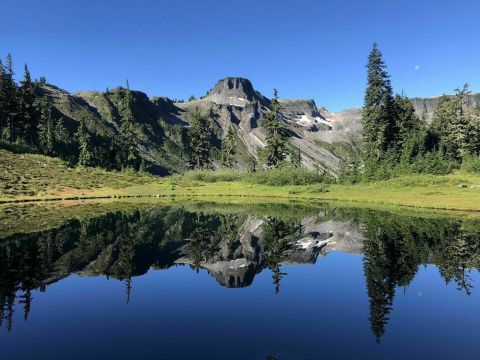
{"points": [[426, 106], [323, 138], [236, 104]]}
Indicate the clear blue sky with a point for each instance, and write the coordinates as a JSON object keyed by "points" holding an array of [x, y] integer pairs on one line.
{"points": [[304, 48]]}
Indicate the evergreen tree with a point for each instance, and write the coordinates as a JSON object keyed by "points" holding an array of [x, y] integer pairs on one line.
{"points": [[349, 172], [377, 118], [127, 129], [3, 99], [200, 136], [126, 262], [252, 164], [295, 157], [46, 126], [229, 149], [10, 102], [28, 118], [464, 129], [473, 115], [83, 137], [50, 135], [61, 133], [406, 122], [455, 127], [276, 150]]}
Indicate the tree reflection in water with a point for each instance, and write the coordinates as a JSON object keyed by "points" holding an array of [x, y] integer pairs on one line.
{"points": [[233, 248]]}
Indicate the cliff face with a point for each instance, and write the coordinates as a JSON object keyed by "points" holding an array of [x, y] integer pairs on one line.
{"points": [[236, 92], [426, 106]]}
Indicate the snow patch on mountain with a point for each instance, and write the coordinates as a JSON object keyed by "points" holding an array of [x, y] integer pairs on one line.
{"points": [[308, 121]]}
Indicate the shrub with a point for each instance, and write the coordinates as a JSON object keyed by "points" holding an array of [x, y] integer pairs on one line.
{"points": [[433, 163], [289, 176], [471, 164], [275, 177], [18, 147], [211, 176]]}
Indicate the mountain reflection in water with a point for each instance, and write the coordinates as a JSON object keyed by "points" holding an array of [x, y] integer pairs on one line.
{"points": [[234, 247]]}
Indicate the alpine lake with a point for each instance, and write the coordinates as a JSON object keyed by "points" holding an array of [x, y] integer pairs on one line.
{"points": [[206, 280]]}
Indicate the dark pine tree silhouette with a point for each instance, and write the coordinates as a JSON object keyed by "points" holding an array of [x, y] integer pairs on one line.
{"points": [[378, 118], [276, 150]]}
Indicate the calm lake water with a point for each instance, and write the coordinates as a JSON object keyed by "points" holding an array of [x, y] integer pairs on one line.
{"points": [[236, 282]]}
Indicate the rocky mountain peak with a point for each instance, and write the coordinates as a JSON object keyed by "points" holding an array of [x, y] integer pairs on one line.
{"points": [[303, 113], [235, 91]]}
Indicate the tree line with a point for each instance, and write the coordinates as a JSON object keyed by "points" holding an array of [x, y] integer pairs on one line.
{"points": [[30, 123], [397, 141]]}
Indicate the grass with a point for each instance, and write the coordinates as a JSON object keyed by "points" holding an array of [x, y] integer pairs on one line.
{"points": [[275, 177], [31, 175], [35, 177]]}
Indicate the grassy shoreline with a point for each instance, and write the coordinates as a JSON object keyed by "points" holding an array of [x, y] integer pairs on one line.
{"points": [[30, 178], [441, 197]]}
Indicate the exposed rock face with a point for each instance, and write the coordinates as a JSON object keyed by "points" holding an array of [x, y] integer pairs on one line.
{"points": [[235, 91], [303, 113], [346, 127], [236, 104], [426, 106]]}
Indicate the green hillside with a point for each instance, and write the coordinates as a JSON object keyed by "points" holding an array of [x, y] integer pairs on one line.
{"points": [[27, 175]]}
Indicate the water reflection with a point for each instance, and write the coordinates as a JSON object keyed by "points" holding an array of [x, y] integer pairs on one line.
{"points": [[236, 246], [394, 247]]}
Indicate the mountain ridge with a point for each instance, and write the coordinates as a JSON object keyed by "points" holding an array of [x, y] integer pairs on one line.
{"points": [[325, 139]]}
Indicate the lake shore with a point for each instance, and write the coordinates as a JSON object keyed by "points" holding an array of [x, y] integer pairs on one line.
{"points": [[444, 195], [30, 178]]}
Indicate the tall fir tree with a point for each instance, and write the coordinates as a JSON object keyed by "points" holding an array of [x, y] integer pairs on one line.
{"points": [[10, 95], [473, 114], [455, 127], [28, 117], [464, 129], [252, 164], [407, 123], [377, 117], [46, 128], [276, 150], [3, 99], [200, 136], [84, 140], [229, 149], [127, 129], [295, 157]]}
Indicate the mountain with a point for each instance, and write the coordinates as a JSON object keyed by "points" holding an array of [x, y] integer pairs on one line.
{"points": [[232, 248], [325, 139], [160, 145]]}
